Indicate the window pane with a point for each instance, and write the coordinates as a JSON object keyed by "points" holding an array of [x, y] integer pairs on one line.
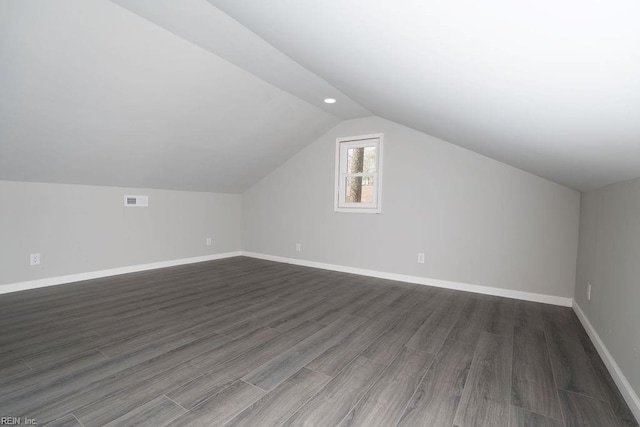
{"points": [[369, 160], [355, 160], [359, 189], [361, 159]]}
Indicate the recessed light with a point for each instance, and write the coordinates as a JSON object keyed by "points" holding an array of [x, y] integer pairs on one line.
{"points": [[329, 101]]}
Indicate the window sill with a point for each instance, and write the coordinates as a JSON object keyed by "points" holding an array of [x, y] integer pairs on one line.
{"points": [[358, 210]]}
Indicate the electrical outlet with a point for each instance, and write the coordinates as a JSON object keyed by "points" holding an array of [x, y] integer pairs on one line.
{"points": [[420, 258], [34, 259], [298, 247], [208, 241], [588, 291]]}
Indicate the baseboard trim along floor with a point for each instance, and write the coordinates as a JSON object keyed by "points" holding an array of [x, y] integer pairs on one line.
{"points": [[621, 381], [487, 290], [61, 280]]}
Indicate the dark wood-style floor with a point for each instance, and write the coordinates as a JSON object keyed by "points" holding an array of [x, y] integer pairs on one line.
{"points": [[249, 342]]}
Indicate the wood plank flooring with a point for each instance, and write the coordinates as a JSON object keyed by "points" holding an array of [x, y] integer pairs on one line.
{"points": [[246, 342]]}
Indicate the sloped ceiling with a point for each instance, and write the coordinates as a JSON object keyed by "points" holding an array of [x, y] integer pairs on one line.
{"points": [[208, 27], [212, 95], [91, 93], [550, 87]]}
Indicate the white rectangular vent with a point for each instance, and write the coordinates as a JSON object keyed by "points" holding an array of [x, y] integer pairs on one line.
{"points": [[136, 201]]}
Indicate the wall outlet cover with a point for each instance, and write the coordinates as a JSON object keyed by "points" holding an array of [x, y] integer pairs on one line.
{"points": [[34, 259]]}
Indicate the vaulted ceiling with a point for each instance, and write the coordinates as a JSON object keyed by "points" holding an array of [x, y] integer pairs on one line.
{"points": [[212, 95], [550, 87], [91, 93]]}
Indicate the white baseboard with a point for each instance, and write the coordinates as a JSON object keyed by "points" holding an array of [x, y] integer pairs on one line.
{"points": [[621, 381], [60, 280], [487, 290]]}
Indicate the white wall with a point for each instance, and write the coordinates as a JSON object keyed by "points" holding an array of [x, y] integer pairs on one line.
{"points": [[609, 258], [477, 220], [81, 229]]}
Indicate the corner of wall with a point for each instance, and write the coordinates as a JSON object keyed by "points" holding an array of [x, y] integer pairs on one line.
{"points": [[629, 394]]}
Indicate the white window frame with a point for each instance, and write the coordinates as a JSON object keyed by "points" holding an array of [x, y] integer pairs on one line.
{"points": [[342, 145]]}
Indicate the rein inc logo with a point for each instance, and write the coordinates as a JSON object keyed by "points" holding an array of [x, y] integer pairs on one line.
{"points": [[17, 421]]}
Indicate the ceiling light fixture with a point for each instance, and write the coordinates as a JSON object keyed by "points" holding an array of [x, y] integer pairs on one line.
{"points": [[329, 101]]}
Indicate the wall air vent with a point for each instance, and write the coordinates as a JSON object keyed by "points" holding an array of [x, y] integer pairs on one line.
{"points": [[136, 201]]}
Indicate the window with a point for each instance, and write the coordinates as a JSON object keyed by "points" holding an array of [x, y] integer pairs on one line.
{"points": [[358, 173]]}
